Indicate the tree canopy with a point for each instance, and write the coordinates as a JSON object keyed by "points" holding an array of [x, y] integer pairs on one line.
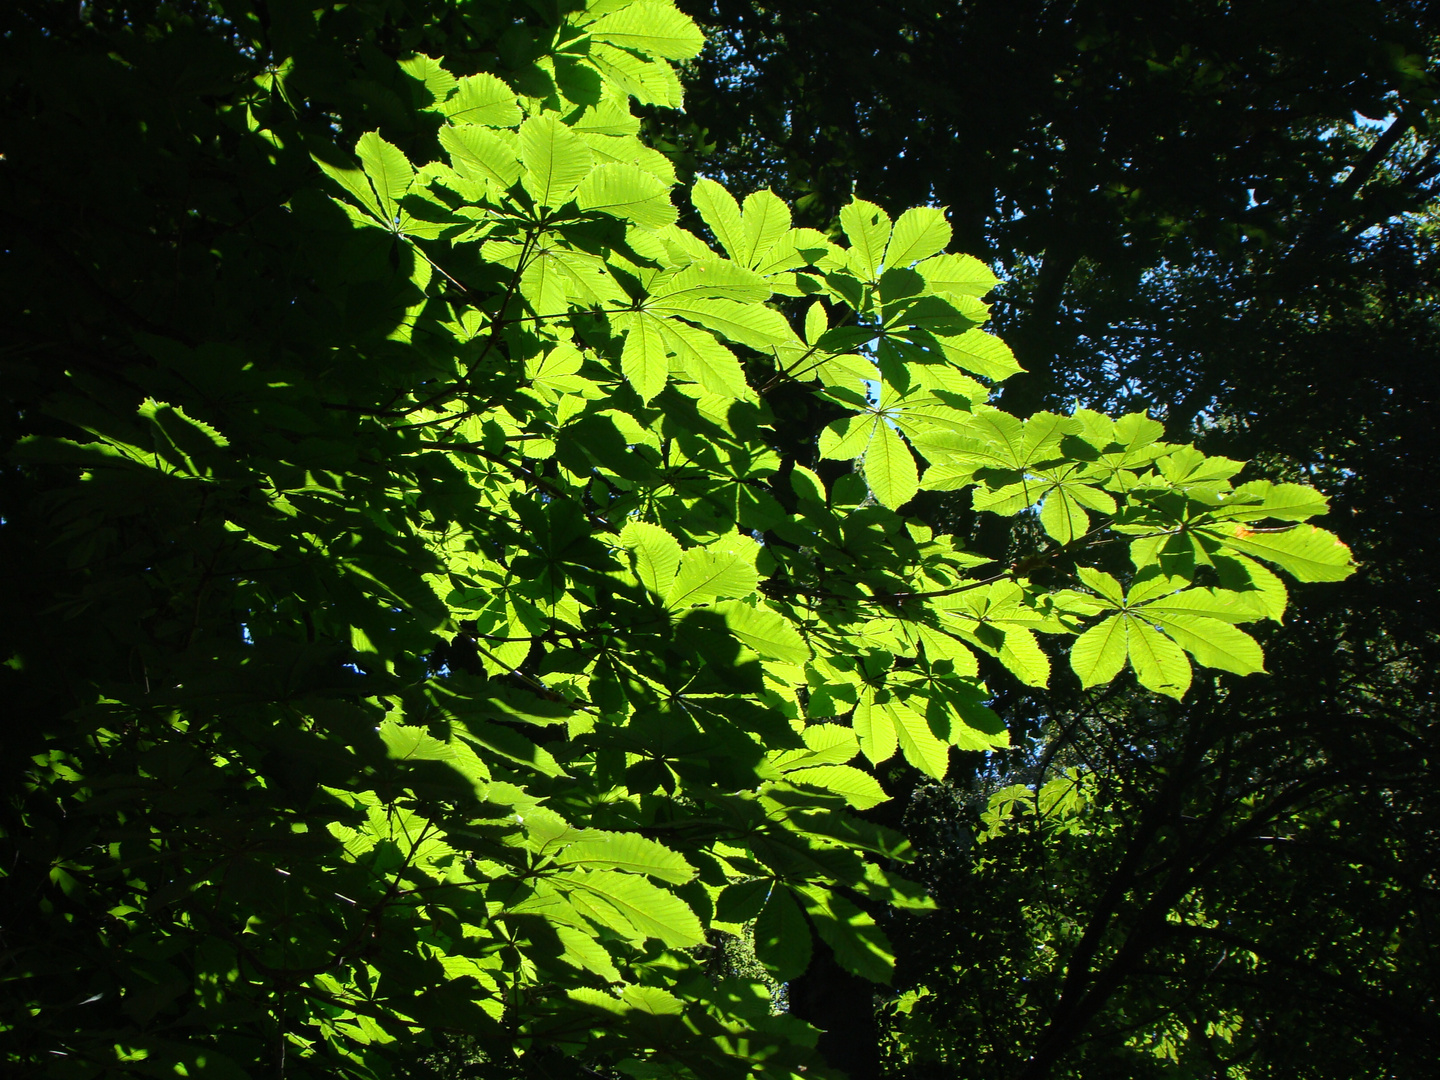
{"points": [[447, 599]]}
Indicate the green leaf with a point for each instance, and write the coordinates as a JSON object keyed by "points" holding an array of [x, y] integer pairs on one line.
{"points": [[847, 438], [389, 171], [1261, 499], [765, 631], [816, 322], [583, 951], [656, 552], [510, 744], [855, 786], [890, 468], [1254, 582], [354, 181], [650, 909], [426, 70], [982, 353], [650, 27], [860, 946], [479, 154], [1222, 604], [782, 935], [963, 275], [719, 210], [875, 729], [1062, 518], [868, 229], [704, 359], [644, 359], [482, 99], [766, 221], [918, 234], [1098, 654], [1022, 656], [1159, 663], [751, 324], [627, 851], [628, 192], [1214, 643], [921, 747], [825, 744], [1307, 553], [722, 570], [741, 901], [1103, 584], [555, 159]]}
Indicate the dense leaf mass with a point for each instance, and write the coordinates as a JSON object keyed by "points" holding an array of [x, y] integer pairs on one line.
{"points": [[426, 615]]}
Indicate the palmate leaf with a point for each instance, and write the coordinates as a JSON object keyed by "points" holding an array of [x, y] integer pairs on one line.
{"points": [[383, 180], [1159, 664], [1199, 621]]}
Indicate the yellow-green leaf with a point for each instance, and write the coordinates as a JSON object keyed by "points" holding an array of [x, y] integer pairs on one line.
{"points": [[555, 159]]}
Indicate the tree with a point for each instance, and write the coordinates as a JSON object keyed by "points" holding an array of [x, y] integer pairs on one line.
{"points": [[428, 615]]}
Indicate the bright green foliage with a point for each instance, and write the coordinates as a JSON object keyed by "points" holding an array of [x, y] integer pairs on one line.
{"points": [[495, 658]]}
